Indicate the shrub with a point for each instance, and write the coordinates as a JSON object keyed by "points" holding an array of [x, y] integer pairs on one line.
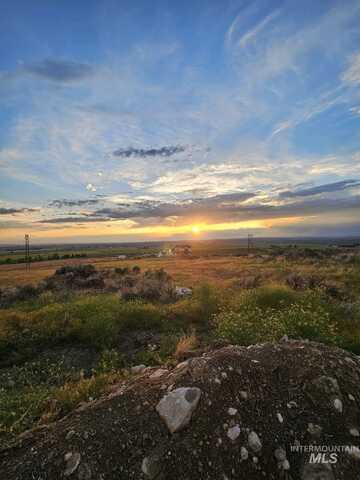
{"points": [[270, 297], [248, 326], [268, 314], [110, 361], [122, 270]]}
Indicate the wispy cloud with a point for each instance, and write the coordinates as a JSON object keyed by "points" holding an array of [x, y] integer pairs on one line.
{"points": [[327, 188], [58, 70], [149, 152], [250, 35], [13, 211], [73, 203], [351, 75], [74, 220]]}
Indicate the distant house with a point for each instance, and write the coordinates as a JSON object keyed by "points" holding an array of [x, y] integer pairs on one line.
{"points": [[122, 257], [182, 250], [176, 251]]}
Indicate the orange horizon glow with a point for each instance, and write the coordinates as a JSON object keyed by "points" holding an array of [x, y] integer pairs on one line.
{"points": [[157, 231]]}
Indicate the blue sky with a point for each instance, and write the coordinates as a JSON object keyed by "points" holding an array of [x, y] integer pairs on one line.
{"points": [[142, 120]]}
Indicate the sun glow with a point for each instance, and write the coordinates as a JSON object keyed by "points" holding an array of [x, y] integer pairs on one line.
{"points": [[195, 229]]}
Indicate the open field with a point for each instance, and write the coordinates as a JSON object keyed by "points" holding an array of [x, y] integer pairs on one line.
{"points": [[189, 271], [64, 345]]}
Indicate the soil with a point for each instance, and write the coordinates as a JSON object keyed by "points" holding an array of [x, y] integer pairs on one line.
{"points": [[285, 394]]}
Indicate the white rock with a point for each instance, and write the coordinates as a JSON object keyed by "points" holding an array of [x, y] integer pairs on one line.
{"points": [[285, 464], [280, 417], [244, 395], [232, 411], [177, 407], [354, 432], [244, 454], [181, 292], [233, 432], [254, 441], [351, 397], [338, 405], [159, 373]]}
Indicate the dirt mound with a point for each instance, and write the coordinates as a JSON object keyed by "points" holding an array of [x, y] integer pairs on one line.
{"points": [[235, 413]]}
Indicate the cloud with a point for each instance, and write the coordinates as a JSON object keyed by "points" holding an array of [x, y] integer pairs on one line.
{"points": [[149, 152], [12, 211], [327, 188], [62, 71], [72, 203], [351, 76], [73, 220], [251, 34], [185, 208]]}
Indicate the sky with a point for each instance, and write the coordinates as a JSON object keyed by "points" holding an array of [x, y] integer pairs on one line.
{"points": [[137, 120]]}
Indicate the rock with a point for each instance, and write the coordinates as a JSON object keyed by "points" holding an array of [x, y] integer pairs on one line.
{"points": [[233, 432], [181, 292], [176, 408], [354, 432], [244, 395], [70, 434], [280, 417], [151, 466], [285, 465], [338, 405], [232, 411], [159, 373], [317, 471], [72, 462], [254, 442], [314, 429], [137, 369], [244, 454]]}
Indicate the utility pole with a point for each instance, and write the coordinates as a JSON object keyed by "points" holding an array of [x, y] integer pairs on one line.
{"points": [[249, 242], [27, 251]]}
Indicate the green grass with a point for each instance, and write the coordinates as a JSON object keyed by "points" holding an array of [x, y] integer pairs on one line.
{"points": [[267, 314], [96, 321]]}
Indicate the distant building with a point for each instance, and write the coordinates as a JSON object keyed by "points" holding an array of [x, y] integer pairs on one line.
{"points": [[182, 250], [176, 251], [122, 257]]}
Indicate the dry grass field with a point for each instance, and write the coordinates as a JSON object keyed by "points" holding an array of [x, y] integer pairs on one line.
{"points": [[223, 271]]}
